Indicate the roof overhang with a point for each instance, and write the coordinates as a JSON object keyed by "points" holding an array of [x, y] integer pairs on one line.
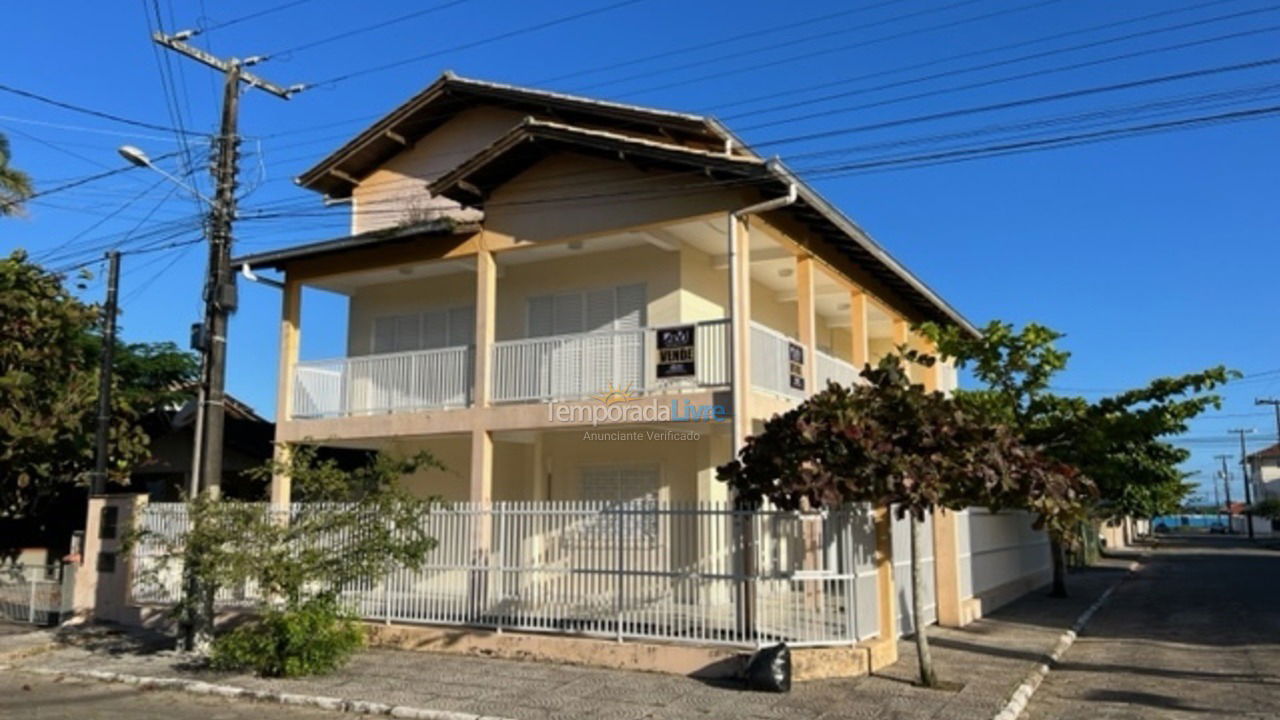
{"points": [[277, 259], [533, 140], [336, 175]]}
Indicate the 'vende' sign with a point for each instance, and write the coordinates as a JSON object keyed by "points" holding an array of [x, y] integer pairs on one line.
{"points": [[676, 352]]}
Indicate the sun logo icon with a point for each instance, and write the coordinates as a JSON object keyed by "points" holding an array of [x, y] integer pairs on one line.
{"points": [[613, 395]]}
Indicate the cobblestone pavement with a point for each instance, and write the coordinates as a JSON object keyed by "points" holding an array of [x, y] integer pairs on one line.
{"points": [[33, 697], [989, 658], [1195, 632]]}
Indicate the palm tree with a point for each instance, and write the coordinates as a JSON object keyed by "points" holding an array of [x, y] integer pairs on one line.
{"points": [[15, 185]]}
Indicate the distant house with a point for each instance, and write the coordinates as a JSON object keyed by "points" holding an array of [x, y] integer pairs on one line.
{"points": [[1264, 472], [163, 477]]}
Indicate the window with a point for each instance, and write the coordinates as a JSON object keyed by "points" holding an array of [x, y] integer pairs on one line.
{"points": [[451, 327], [625, 488], [614, 308]]}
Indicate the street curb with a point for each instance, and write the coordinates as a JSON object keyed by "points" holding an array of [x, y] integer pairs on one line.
{"points": [[231, 692], [1022, 694]]}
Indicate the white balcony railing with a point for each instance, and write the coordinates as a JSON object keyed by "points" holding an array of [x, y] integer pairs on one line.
{"points": [[582, 365], [771, 362], [833, 369], [392, 382]]}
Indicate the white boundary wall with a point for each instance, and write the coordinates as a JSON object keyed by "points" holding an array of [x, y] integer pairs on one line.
{"points": [[1000, 555]]}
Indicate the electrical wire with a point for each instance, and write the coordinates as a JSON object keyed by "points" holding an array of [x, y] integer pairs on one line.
{"points": [[475, 43], [84, 110]]}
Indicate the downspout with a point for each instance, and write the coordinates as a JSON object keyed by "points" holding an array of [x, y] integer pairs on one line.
{"points": [[737, 392]]}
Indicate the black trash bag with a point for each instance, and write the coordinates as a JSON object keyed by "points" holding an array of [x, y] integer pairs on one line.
{"points": [[769, 670]]}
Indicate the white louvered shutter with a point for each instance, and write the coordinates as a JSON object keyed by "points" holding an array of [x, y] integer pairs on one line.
{"points": [[435, 329], [384, 335]]}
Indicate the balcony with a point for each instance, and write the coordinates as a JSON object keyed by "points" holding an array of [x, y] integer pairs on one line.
{"points": [[545, 369]]}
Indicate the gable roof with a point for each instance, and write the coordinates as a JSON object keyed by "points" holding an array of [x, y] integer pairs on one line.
{"points": [[532, 140], [451, 94]]}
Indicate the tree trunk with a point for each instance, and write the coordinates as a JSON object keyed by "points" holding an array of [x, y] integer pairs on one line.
{"points": [[1059, 553], [927, 676]]}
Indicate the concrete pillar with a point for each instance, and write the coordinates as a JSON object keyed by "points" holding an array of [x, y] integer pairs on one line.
{"points": [[884, 651], [481, 466], [541, 479], [712, 452], [290, 339], [946, 568], [104, 580], [860, 353], [486, 314], [807, 321]]}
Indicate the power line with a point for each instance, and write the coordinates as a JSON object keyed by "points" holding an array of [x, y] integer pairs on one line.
{"points": [[1052, 97], [477, 43], [252, 16], [773, 30], [810, 54], [85, 110], [346, 34], [774, 96]]}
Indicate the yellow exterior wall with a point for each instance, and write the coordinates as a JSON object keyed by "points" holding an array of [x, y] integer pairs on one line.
{"points": [[682, 464], [679, 461], [512, 468], [572, 196], [389, 195]]}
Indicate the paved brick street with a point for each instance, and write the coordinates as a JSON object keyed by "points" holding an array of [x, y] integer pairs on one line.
{"points": [[1196, 632]]}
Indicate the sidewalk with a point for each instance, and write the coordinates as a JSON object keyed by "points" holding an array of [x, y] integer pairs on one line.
{"points": [[990, 657]]}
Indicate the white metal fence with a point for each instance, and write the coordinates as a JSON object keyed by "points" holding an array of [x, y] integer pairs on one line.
{"points": [[702, 573], [32, 594], [414, 380]]}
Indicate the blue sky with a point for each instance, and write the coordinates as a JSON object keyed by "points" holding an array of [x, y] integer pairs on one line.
{"points": [[1155, 254]]}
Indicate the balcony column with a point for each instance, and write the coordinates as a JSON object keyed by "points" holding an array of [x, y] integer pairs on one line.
{"points": [[486, 315], [807, 321], [290, 338], [481, 438], [740, 328], [860, 352]]}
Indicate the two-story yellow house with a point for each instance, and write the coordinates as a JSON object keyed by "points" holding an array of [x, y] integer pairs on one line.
{"points": [[532, 275], [574, 301]]}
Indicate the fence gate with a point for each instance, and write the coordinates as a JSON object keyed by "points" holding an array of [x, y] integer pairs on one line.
{"points": [[32, 594]]}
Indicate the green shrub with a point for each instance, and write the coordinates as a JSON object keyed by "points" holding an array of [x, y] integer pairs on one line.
{"points": [[313, 638]]}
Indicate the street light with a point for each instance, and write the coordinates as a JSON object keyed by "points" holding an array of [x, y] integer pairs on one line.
{"points": [[136, 156]]}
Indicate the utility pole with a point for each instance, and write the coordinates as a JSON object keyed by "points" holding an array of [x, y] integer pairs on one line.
{"points": [[1244, 472], [220, 288], [1226, 489], [220, 300], [98, 484]]}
